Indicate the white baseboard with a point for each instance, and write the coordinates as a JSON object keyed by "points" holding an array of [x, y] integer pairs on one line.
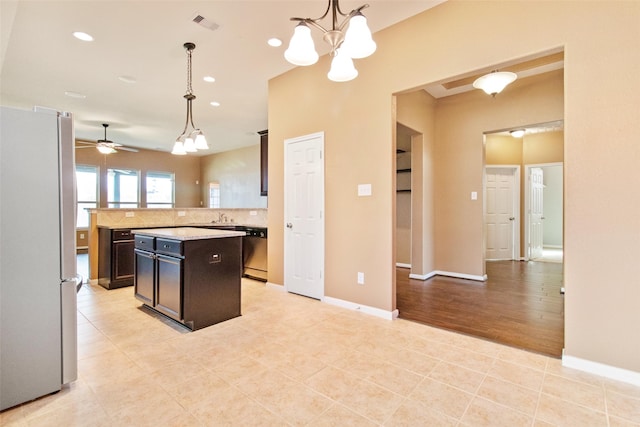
{"points": [[274, 286], [552, 246], [422, 276], [402, 265], [448, 274], [389, 315], [601, 369]]}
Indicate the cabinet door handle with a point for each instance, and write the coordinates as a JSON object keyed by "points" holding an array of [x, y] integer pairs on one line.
{"points": [[289, 225]]}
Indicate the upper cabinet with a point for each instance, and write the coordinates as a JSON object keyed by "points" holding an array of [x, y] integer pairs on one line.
{"points": [[264, 161]]}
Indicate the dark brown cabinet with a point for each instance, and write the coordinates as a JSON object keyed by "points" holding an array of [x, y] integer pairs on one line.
{"points": [[195, 282], [264, 162], [115, 258]]}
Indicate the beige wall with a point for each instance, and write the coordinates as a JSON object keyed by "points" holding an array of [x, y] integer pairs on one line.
{"points": [[238, 173], [461, 122], [416, 110], [600, 152], [185, 168]]}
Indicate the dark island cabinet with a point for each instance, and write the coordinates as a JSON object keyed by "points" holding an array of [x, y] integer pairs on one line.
{"points": [[115, 258], [195, 282]]}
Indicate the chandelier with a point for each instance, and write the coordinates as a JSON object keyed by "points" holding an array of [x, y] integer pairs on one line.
{"points": [[189, 141], [494, 82], [355, 43]]}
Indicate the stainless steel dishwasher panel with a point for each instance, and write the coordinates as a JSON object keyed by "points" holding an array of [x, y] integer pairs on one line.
{"points": [[254, 251]]}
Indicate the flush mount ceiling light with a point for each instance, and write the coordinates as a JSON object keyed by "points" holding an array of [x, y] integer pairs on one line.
{"points": [[517, 133], [494, 82], [355, 43], [189, 141]]}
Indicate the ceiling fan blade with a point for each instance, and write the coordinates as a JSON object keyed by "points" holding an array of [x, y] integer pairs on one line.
{"points": [[121, 147]]}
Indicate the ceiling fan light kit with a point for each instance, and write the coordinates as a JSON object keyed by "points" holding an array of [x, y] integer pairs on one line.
{"points": [[189, 141], [355, 43]]}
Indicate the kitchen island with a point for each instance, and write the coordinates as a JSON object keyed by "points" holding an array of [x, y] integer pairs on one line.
{"points": [[191, 275]]}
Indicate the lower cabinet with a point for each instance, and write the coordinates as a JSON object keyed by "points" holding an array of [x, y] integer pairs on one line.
{"points": [[195, 282], [115, 258]]}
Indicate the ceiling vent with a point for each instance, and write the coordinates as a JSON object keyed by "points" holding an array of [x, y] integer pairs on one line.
{"points": [[204, 22]]}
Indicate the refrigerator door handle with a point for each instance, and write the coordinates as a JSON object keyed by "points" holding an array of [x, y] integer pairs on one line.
{"points": [[69, 325]]}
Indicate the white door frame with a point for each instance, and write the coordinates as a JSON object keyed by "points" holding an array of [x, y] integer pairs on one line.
{"points": [[515, 250], [527, 195], [321, 232]]}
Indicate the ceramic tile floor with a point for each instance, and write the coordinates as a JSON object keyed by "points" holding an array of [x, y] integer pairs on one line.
{"points": [[294, 361]]}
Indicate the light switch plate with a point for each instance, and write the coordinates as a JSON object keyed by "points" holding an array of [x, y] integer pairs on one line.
{"points": [[474, 195], [364, 189]]}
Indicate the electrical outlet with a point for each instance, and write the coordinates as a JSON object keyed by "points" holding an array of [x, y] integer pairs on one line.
{"points": [[360, 278], [129, 214], [182, 213]]}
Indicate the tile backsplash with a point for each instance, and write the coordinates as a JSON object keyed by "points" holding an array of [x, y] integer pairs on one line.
{"points": [[149, 217]]}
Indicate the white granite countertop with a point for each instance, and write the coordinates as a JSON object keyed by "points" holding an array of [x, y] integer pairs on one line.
{"points": [[188, 233]]}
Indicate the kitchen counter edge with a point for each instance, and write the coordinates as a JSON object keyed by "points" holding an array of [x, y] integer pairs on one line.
{"points": [[188, 233]]}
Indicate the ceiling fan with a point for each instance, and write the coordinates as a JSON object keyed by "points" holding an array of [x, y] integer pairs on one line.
{"points": [[105, 146]]}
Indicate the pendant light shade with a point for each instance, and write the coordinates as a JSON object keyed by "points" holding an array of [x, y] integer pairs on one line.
{"points": [[302, 50], [342, 69], [201, 141], [178, 149], [494, 82], [358, 42]]}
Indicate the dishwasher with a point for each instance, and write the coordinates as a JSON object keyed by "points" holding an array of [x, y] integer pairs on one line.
{"points": [[254, 253]]}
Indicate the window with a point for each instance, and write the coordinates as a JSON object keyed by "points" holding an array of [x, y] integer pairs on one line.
{"points": [[87, 188], [122, 188], [160, 186], [214, 195]]}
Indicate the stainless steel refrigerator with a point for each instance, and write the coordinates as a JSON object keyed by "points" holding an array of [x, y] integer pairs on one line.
{"points": [[38, 279]]}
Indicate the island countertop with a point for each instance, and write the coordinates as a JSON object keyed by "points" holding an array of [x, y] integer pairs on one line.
{"points": [[188, 233]]}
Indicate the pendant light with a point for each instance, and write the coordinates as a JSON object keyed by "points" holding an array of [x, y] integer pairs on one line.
{"points": [[356, 42], [189, 141]]}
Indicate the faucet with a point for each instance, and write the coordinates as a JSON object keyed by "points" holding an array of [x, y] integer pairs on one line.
{"points": [[222, 217]]}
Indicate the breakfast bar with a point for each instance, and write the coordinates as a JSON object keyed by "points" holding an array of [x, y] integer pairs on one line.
{"points": [[191, 275]]}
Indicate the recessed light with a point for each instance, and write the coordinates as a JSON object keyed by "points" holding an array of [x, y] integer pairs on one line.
{"points": [[517, 133], [209, 79], [78, 95], [215, 103], [275, 42], [127, 79], [83, 36]]}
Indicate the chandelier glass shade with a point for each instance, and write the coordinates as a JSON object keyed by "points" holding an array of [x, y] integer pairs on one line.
{"points": [[191, 139], [494, 82], [355, 42]]}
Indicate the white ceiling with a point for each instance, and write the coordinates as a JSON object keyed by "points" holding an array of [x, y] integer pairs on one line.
{"points": [[40, 60]]}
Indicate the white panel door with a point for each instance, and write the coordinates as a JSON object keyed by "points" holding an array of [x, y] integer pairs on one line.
{"points": [[536, 192], [304, 216], [499, 215]]}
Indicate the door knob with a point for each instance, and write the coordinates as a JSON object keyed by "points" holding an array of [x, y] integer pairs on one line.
{"points": [[289, 225], [512, 218]]}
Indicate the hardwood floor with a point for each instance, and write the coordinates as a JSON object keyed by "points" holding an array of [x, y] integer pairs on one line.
{"points": [[519, 305]]}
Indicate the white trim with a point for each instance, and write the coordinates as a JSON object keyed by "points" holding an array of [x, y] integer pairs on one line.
{"points": [[402, 265], [422, 276], [552, 246], [275, 286], [389, 315], [482, 278], [607, 371]]}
